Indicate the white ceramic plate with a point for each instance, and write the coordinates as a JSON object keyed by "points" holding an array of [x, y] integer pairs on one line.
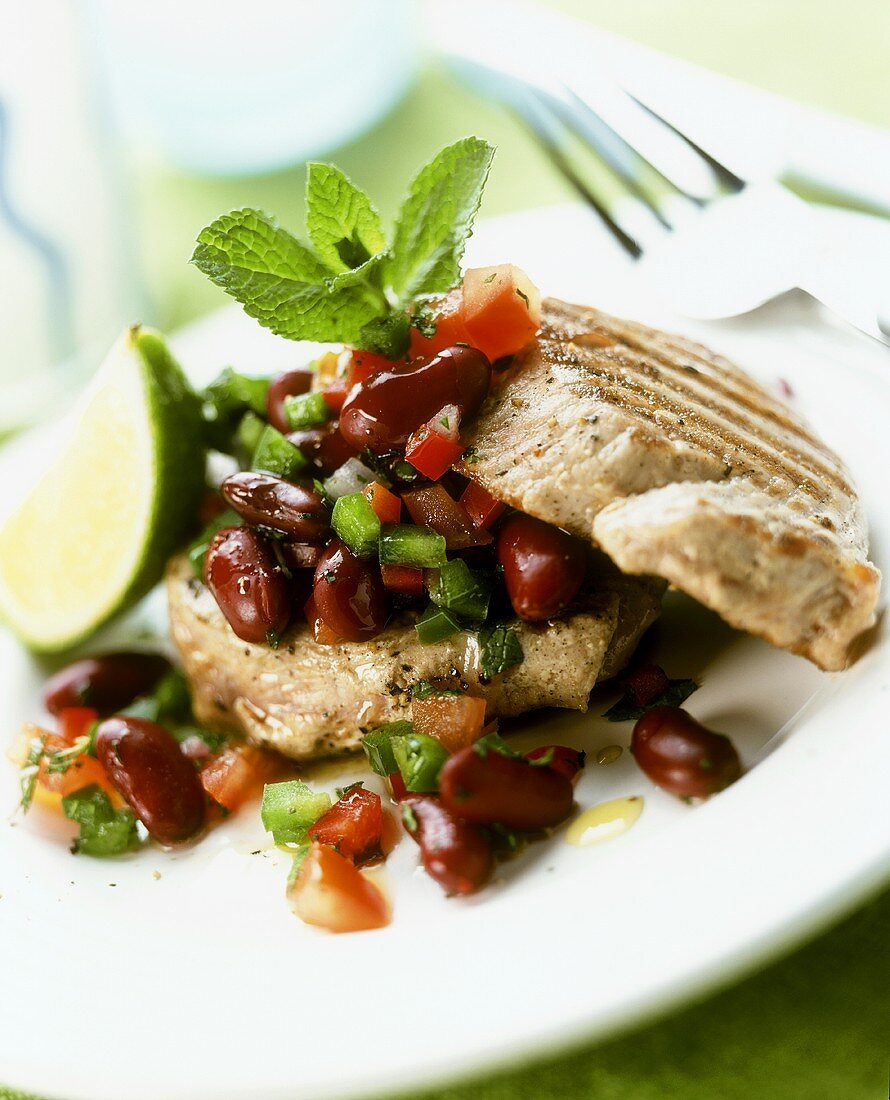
{"points": [[122, 986]]}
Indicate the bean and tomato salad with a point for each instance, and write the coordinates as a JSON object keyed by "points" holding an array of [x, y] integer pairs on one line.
{"points": [[347, 511]]}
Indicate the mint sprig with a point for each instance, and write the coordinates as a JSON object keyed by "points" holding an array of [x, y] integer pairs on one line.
{"points": [[350, 285]]}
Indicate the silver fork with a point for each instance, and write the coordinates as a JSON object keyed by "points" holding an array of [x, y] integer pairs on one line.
{"points": [[713, 244]]}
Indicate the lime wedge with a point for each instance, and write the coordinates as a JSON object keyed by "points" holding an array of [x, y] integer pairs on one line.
{"points": [[94, 533]]}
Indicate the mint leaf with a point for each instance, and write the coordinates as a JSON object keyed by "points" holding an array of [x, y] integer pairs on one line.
{"points": [[343, 224], [437, 218], [500, 650], [280, 281]]}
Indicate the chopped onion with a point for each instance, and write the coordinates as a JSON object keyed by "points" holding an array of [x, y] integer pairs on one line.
{"points": [[351, 477]]}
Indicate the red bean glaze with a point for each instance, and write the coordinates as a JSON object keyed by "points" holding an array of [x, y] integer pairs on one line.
{"points": [[681, 755], [566, 761], [457, 855], [543, 566], [289, 384], [349, 594], [324, 446], [159, 783], [269, 501], [493, 789], [248, 584], [384, 410], [107, 683]]}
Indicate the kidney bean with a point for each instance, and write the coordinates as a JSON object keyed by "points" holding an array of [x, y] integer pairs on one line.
{"points": [[489, 788], [269, 501], [349, 594], [148, 768], [566, 761], [681, 756], [300, 555], [289, 384], [248, 584], [543, 566], [107, 683], [324, 446], [384, 410], [457, 855], [644, 684]]}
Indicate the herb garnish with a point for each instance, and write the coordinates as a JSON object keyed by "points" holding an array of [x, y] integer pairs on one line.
{"points": [[500, 650], [628, 710], [350, 285]]}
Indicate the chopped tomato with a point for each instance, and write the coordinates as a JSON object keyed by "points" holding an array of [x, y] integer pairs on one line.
{"points": [[454, 720], [482, 508], [81, 772], [403, 579], [331, 892], [353, 826], [387, 506], [566, 761], [433, 507], [501, 309], [450, 328], [320, 629], [236, 774]]}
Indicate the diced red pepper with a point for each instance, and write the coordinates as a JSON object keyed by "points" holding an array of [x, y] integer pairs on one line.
{"points": [[436, 446], [387, 506], [397, 786], [432, 506], [75, 722], [561, 758], [402, 578], [482, 508], [353, 826], [320, 630]]}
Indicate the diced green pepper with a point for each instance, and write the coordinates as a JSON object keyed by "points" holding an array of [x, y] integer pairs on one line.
{"points": [[248, 435], [356, 522], [436, 624], [405, 544], [305, 410], [276, 455], [419, 759], [378, 746], [198, 549], [104, 831], [226, 400], [463, 591], [290, 808]]}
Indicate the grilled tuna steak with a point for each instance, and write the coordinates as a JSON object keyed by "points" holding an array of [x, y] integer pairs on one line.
{"points": [[308, 700], [677, 464]]}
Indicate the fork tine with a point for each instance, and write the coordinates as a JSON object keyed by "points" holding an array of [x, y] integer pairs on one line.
{"points": [[725, 175], [532, 112]]}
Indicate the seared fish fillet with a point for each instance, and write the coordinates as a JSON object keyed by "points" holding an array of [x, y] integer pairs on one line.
{"points": [[308, 700], [677, 464]]}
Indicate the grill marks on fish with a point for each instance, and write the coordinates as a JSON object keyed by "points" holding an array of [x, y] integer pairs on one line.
{"points": [[641, 374], [677, 464]]}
